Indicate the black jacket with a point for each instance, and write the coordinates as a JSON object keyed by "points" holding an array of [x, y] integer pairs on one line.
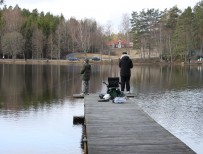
{"points": [[125, 64]]}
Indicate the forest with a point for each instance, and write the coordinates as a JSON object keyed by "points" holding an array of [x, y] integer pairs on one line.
{"points": [[172, 33]]}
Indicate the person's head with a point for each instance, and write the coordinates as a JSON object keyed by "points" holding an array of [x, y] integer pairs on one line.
{"points": [[86, 60], [124, 54]]}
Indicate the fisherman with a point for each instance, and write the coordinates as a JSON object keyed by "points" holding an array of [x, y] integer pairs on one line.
{"points": [[86, 72], [125, 64]]}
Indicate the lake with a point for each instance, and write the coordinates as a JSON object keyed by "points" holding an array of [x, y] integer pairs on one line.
{"points": [[37, 108]]}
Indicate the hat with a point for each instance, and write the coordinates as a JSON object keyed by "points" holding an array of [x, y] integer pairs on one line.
{"points": [[124, 53]]}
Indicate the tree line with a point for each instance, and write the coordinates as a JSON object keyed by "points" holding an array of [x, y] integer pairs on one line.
{"points": [[174, 34], [34, 35]]}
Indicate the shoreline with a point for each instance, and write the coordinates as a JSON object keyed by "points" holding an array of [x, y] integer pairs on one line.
{"points": [[136, 61], [56, 62]]}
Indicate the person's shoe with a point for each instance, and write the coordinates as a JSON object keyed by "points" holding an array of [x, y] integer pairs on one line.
{"points": [[128, 92]]}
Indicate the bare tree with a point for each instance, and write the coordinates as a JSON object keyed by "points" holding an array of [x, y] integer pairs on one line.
{"points": [[72, 25], [13, 20], [84, 34], [108, 34], [37, 44], [60, 37], [12, 44], [108, 30], [98, 38], [125, 27], [50, 50], [90, 31]]}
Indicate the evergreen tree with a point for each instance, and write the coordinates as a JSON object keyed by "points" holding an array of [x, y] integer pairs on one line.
{"points": [[183, 35], [145, 29], [198, 28]]}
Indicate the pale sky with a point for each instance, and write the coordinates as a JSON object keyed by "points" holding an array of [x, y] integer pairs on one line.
{"points": [[103, 11]]}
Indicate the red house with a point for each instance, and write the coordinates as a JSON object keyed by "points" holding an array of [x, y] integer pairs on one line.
{"points": [[119, 44]]}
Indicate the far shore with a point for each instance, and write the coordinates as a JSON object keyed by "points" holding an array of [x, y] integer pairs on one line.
{"points": [[105, 59], [136, 61], [49, 61]]}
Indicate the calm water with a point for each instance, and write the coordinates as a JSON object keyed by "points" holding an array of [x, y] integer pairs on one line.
{"points": [[36, 107]]}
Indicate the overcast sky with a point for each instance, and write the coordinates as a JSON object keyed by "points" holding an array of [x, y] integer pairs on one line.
{"points": [[102, 11]]}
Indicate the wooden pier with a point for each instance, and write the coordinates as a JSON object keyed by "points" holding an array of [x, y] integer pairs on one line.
{"points": [[126, 129]]}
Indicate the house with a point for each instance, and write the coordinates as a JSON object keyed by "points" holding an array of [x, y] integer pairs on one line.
{"points": [[119, 44]]}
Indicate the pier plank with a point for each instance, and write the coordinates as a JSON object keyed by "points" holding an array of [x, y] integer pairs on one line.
{"points": [[125, 128]]}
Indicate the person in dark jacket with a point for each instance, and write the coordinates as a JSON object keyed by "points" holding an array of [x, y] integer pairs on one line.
{"points": [[125, 64], [86, 72]]}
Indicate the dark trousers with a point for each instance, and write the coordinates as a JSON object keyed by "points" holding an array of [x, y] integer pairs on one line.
{"points": [[125, 82]]}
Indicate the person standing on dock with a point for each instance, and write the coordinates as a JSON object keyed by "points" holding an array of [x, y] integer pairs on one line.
{"points": [[86, 72], [125, 64]]}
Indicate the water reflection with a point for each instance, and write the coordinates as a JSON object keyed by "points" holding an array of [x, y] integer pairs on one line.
{"points": [[157, 79], [180, 112], [36, 107], [173, 97], [45, 130], [24, 85]]}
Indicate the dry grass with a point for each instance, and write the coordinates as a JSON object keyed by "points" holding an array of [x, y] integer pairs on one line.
{"points": [[114, 54], [106, 58]]}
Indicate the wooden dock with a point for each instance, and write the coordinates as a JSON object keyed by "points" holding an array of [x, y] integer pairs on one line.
{"points": [[126, 129], [82, 96]]}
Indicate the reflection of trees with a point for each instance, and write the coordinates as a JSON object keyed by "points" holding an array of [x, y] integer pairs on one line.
{"points": [[153, 78], [26, 85], [101, 73], [12, 84]]}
